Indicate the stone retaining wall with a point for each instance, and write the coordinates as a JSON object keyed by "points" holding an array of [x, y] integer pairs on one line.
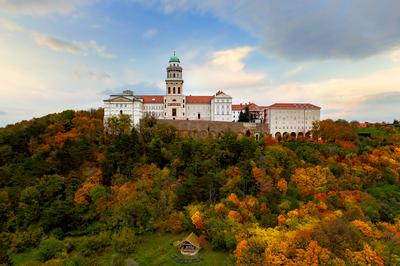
{"points": [[213, 128]]}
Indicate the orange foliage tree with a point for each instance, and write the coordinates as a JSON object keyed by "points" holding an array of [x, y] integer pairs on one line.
{"points": [[197, 220], [367, 256], [282, 185], [264, 182], [82, 194]]}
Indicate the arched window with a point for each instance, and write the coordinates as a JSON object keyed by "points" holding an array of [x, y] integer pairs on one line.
{"points": [[169, 90], [174, 90], [179, 90], [174, 75]]}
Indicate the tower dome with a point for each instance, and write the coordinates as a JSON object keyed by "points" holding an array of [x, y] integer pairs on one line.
{"points": [[174, 59]]}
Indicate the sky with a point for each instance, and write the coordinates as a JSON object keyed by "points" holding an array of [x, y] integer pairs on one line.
{"points": [[341, 55]]}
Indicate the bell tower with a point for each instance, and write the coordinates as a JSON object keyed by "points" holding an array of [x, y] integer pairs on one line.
{"points": [[174, 81], [174, 100]]}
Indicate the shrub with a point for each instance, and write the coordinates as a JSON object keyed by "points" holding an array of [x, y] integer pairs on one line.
{"points": [[90, 245], [49, 248], [19, 241], [124, 241], [75, 260]]}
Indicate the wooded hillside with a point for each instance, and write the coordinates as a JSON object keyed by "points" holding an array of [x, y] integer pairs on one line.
{"points": [[291, 203]]}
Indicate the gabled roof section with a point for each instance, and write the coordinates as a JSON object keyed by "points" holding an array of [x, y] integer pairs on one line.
{"points": [[119, 98], [152, 98], [294, 106], [221, 94], [199, 99]]}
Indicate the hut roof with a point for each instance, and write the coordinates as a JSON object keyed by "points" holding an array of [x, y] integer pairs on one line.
{"points": [[192, 239]]}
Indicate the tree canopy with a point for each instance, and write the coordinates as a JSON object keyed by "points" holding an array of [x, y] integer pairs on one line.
{"points": [[287, 203]]}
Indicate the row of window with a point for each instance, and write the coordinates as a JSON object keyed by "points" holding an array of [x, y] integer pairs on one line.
{"points": [[153, 107], [174, 75], [197, 107], [294, 117], [289, 122], [223, 100], [156, 114], [118, 105], [174, 90]]}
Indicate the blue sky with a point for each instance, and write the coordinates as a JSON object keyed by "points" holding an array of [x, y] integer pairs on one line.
{"points": [[341, 55]]}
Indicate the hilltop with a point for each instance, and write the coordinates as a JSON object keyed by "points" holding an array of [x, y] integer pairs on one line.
{"points": [[72, 195]]}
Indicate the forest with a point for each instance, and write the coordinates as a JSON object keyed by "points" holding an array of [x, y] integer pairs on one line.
{"points": [[70, 192]]}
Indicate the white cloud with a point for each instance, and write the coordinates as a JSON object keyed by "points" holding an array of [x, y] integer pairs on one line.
{"points": [[73, 47], [150, 33], [341, 97], [395, 55], [224, 70], [60, 45], [305, 30], [42, 7], [295, 71], [93, 75], [10, 25]]}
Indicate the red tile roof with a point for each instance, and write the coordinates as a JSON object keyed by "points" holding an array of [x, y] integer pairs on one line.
{"points": [[294, 106], [198, 99], [238, 107], [152, 98], [251, 106]]}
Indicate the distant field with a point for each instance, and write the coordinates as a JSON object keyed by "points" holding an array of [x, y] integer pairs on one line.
{"points": [[154, 249], [376, 131]]}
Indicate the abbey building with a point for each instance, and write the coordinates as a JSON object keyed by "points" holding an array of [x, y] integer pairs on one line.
{"points": [[174, 105], [280, 119]]}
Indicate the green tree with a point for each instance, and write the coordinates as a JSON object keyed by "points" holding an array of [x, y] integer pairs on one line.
{"points": [[118, 125], [244, 116]]}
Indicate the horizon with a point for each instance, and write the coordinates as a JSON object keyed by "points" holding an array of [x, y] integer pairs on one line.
{"points": [[343, 57]]}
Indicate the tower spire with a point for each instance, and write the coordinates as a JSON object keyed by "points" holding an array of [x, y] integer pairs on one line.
{"points": [[174, 53]]}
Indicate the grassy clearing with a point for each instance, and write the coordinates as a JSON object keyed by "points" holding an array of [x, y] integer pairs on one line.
{"points": [[25, 258], [158, 249], [153, 249]]}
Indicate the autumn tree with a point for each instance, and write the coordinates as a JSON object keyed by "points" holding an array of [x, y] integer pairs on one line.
{"points": [[313, 180]]}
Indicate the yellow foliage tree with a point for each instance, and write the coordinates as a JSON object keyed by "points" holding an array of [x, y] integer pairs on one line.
{"points": [[312, 180], [367, 256]]}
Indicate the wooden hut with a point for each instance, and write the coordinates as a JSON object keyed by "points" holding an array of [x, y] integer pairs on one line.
{"points": [[190, 246]]}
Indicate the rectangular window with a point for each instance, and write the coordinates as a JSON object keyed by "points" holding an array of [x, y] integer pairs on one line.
{"points": [[173, 111]]}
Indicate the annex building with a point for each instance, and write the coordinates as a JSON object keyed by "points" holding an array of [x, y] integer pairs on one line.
{"points": [[280, 119]]}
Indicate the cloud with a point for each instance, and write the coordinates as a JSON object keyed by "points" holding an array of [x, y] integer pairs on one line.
{"points": [[295, 71], [73, 47], [380, 107], [395, 55], [93, 75], [343, 98], [224, 70], [60, 45], [306, 30], [9, 25], [141, 88], [150, 33], [41, 7], [3, 113], [101, 50]]}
